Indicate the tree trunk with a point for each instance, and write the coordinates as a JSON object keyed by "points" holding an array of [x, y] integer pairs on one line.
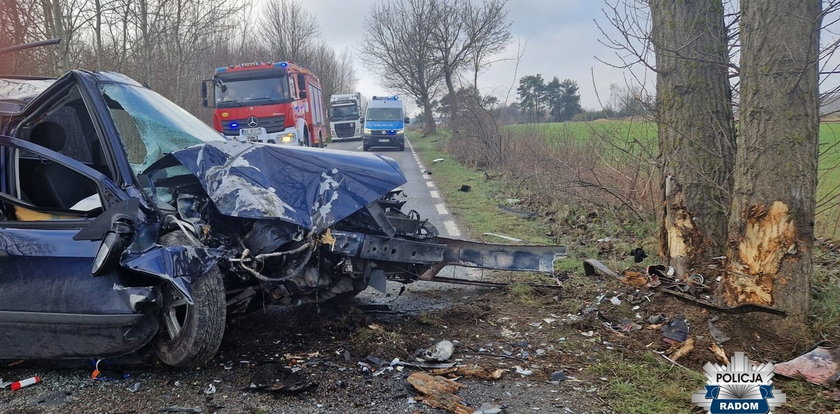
{"points": [[696, 130], [429, 126], [771, 229]]}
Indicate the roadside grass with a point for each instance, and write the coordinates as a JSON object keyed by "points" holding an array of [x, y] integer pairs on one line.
{"points": [[646, 384], [477, 208], [639, 382]]}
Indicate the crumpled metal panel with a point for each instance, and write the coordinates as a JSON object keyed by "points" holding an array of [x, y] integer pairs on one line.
{"points": [[309, 187], [177, 265]]}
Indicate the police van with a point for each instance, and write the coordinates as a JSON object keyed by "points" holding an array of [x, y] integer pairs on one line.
{"points": [[385, 123]]}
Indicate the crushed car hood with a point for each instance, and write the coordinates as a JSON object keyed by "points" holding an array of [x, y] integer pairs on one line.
{"points": [[310, 187]]}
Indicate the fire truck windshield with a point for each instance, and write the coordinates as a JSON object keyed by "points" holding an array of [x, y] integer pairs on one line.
{"points": [[251, 91]]}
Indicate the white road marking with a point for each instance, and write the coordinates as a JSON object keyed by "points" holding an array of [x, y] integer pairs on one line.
{"points": [[434, 194], [421, 166], [452, 228], [441, 209], [431, 184]]}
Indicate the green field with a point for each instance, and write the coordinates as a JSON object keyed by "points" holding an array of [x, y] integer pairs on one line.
{"points": [[828, 208]]}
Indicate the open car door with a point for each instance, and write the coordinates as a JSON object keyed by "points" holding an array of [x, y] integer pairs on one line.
{"points": [[51, 305]]}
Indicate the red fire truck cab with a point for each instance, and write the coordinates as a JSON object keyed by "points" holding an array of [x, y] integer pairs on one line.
{"points": [[276, 103]]}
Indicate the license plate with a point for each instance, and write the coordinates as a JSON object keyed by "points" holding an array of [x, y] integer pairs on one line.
{"points": [[384, 140], [250, 131]]}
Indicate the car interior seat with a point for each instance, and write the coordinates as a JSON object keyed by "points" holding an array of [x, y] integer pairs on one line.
{"points": [[52, 185]]}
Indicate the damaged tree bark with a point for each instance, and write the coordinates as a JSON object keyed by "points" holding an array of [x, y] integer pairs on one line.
{"points": [[771, 227], [696, 130]]}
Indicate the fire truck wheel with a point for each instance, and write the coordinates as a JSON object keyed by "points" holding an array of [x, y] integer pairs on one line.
{"points": [[320, 140], [306, 141]]}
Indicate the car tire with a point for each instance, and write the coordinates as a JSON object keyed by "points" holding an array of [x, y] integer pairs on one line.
{"points": [[365, 148], [402, 147], [201, 326]]}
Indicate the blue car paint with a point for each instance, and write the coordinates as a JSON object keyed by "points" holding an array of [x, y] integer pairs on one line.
{"points": [[308, 187]]}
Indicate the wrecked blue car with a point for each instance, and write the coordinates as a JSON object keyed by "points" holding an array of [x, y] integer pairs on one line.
{"points": [[127, 224]]}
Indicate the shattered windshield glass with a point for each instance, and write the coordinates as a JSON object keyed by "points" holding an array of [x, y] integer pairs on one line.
{"points": [[150, 126]]}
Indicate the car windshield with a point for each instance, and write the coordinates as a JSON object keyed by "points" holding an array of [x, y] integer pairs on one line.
{"points": [[346, 111], [242, 92], [384, 114], [150, 126]]}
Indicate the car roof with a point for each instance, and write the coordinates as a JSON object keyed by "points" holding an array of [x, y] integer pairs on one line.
{"points": [[16, 92]]}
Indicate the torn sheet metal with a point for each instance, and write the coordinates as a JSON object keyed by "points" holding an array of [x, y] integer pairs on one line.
{"points": [[312, 188], [174, 264]]}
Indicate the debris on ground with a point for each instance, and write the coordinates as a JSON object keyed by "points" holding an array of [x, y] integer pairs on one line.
{"points": [[25, 383], [819, 366], [179, 409], [488, 408], [4, 385], [675, 331], [134, 387], [502, 236], [439, 392], [680, 350], [717, 334], [437, 160], [635, 279], [211, 389], [473, 371], [465, 188], [720, 354], [517, 212], [275, 377], [638, 254], [558, 376], [523, 371], [441, 352], [593, 267]]}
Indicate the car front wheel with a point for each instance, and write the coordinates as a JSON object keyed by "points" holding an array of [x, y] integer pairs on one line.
{"points": [[191, 334]]}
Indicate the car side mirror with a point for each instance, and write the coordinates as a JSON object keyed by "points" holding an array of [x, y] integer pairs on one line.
{"points": [[302, 94], [115, 229], [205, 101], [407, 120], [362, 120], [111, 248]]}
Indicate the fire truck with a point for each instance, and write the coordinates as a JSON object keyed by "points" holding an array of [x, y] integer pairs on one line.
{"points": [[275, 103]]}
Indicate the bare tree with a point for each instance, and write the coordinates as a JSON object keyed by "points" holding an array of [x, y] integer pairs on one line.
{"points": [[401, 52], [771, 230], [463, 32], [696, 129], [288, 30]]}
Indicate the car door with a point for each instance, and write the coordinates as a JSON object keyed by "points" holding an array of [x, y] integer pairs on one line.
{"points": [[50, 304]]}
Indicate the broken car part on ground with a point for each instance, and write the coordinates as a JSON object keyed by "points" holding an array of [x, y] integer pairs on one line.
{"points": [[127, 223]]}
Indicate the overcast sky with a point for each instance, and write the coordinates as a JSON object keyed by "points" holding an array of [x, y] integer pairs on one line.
{"points": [[561, 37]]}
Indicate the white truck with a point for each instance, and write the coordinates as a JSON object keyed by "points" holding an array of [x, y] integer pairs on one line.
{"points": [[347, 116]]}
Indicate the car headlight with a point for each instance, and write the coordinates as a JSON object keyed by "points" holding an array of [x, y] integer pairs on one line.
{"points": [[287, 137], [401, 131], [368, 131]]}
